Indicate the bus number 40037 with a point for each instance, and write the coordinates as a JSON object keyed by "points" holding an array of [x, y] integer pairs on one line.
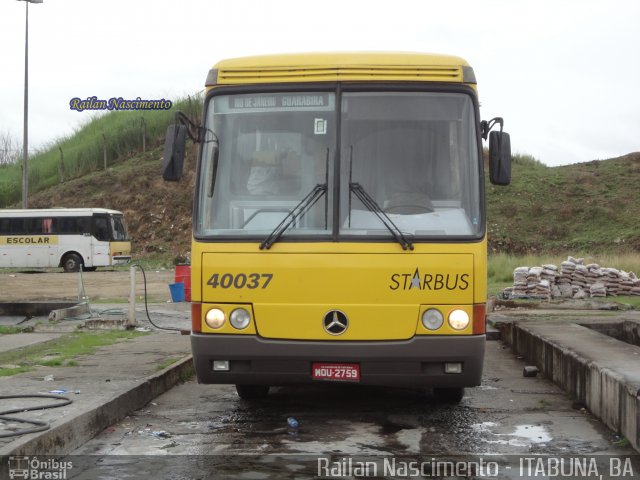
{"points": [[240, 280]]}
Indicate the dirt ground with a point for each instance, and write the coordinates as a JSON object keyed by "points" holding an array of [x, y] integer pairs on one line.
{"points": [[112, 286]]}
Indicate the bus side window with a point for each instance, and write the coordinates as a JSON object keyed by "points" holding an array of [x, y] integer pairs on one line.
{"points": [[47, 225], [67, 225], [34, 226], [16, 226]]}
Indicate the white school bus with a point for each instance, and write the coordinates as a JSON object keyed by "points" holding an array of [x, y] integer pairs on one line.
{"points": [[339, 221], [70, 238]]}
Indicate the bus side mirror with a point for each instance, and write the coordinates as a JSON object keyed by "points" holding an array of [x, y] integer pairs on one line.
{"points": [[499, 158], [174, 147]]}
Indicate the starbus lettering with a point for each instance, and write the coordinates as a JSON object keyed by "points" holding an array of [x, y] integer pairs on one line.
{"points": [[429, 281]]}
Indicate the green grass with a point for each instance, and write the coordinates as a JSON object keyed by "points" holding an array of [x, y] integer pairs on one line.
{"points": [[633, 302], [622, 443], [83, 152], [62, 351], [187, 373], [10, 330], [169, 361], [585, 207]]}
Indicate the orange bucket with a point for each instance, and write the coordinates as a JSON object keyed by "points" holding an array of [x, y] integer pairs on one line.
{"points": [[183, 275]]}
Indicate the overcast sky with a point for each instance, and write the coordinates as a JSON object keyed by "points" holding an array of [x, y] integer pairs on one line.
{"points": [[564, 74]]}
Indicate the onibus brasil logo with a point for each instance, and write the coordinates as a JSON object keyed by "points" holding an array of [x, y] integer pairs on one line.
{"points": [[34, 468]]}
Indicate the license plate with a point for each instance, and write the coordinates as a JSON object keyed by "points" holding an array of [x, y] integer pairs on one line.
{"points": [[337, 372]]}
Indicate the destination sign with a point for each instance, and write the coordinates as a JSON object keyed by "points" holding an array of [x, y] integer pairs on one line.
{"points": [[276, 102]]}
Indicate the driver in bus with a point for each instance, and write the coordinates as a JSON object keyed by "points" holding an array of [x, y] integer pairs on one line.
{"points": [[284, 172]]}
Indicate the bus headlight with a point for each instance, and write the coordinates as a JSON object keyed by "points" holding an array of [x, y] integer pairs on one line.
{"points": [[458, 319], [432, 319], [214, 318], [240, 318]]}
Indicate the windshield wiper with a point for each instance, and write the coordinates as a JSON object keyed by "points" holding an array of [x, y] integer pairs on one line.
{"points": [[214, 167], [302, 208], [372, 206], [296, 213]]}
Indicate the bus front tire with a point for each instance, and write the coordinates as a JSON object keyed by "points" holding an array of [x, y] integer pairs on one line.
{"points": [[252, 392], [448, 395], [71, 263]]}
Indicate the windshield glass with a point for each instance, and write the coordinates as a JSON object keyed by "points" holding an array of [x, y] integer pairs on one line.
{"points": [[119, 228], [262, 155], [416, 155], [413, 154]]}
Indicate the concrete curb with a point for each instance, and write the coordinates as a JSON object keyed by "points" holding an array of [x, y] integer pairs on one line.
{"points": [[62, 439], [62, 313], [607, 386]]}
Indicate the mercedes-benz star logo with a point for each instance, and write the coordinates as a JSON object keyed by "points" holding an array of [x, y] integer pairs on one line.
{"points": [[335, 322]]}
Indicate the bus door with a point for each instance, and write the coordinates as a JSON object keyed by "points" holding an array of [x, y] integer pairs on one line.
{"points": [[100, 236]]}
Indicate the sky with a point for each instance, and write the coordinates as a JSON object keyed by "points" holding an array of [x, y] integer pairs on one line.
{"points": [[563, 74]]}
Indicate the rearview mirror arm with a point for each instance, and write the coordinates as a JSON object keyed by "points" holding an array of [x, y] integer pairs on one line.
{"points": [[487, 126], [194, 132]]}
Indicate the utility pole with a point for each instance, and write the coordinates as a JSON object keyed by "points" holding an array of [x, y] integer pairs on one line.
{"points": [[25, 134]]}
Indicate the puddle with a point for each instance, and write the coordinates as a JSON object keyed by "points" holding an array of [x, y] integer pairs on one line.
{"points": [[410, 439], [522, 436], [534, 433], [354, 439]]}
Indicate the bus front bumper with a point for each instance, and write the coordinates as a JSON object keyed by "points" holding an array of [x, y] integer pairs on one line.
{"points": [[121, 260], [417, 362]]}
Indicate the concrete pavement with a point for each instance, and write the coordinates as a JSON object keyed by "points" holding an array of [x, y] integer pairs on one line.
{"points": [[104, 387], [596, 359], [127, 375]]}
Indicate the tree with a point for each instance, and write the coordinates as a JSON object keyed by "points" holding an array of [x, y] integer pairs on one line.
{"points": [[10, 149]]}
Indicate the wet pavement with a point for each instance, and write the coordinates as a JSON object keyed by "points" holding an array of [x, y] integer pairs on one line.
{"points": [[206, 429], [103, 386]]}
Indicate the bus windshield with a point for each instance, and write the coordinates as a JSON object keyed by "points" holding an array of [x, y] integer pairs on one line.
{"points": [[119, 228], [415, 154]]}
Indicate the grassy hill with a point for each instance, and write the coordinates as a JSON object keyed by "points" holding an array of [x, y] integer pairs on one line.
{"points": [[158, 213], [111, 138], [586, 208], [589, 207]]}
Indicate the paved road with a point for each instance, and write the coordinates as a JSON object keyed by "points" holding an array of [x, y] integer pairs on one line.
{"points": [[507, 415]]}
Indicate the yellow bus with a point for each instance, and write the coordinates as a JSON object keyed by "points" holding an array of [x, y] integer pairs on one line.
{"points": [[71, 238], [339, 221]]}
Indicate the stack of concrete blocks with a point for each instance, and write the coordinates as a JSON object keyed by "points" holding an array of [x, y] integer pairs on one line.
{"points": [[573, 279]]}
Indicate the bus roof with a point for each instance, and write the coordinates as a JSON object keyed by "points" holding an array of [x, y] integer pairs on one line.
{"points": [[341, 66], [62, 212]]}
